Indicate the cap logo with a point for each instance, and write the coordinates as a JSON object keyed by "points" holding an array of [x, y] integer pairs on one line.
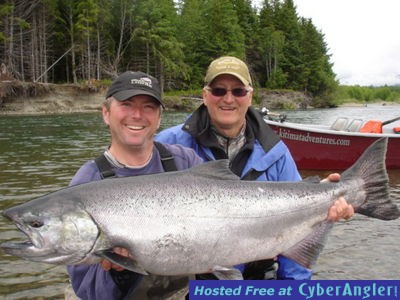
{"points": [[143, 81], [228, 64]]}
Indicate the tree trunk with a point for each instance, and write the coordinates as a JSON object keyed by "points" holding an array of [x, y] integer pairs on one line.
{"points": [[21, 55], [121, 35], [89, 75], [10, 48], [43, 46], [73, 58], [98, 55], [33, 62]]}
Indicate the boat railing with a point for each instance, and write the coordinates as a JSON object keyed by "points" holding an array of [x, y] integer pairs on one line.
{"points": [[343, 124]]}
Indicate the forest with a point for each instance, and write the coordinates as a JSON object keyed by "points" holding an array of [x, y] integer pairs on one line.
{"points": [[78, 41]]}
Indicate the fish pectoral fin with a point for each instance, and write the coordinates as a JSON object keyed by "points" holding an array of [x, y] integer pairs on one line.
{"points": [[123, 261], [223, 273], [306, 252]]}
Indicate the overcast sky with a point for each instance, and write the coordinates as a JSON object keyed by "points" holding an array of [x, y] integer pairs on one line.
{"points": [[363, 37]]}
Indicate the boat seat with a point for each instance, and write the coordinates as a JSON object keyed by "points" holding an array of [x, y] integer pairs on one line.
{"points": [[340, 124], [355, 125], [372, 126]]}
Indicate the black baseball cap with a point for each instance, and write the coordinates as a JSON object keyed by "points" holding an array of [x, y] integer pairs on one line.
{"points": [[130, 84]]}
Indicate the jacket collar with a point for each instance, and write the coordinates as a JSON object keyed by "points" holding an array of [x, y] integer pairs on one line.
{"points": [[198, 126]]}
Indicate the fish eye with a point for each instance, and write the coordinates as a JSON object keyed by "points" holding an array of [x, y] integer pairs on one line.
{"points": [[35, 224]]}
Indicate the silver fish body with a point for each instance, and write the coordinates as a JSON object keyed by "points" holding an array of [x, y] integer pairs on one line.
{"points": [[195, 221]]}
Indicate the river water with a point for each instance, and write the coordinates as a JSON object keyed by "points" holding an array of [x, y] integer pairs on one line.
{"points": [[40, 154]]}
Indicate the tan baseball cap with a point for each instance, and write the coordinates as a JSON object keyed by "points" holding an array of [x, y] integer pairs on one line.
{"points": [[228, 65]]}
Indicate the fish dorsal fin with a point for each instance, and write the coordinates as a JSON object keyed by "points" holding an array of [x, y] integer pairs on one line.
{"points": [[216, 169], [307, 251]]}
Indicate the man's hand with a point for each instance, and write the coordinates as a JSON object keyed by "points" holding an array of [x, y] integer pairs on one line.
{"points": [[333, 177], [107, 265], [340, 209]]}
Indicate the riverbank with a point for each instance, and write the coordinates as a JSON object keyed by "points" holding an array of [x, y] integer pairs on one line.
{"points": [[18, 98], [37, 98], [22, 98]]}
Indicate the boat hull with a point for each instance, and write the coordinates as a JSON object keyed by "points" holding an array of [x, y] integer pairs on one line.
{"points": [[319, 148]]}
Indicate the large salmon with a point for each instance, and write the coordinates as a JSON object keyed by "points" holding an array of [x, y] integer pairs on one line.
{"points": [[195, 221]]}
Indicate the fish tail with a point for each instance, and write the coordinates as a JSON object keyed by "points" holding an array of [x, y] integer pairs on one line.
{"points": [[371, 168]]}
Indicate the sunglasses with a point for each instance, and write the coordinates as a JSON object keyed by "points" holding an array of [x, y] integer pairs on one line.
{"points": [[219, 92]]}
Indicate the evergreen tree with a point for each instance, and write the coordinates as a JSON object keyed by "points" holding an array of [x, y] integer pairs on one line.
{"points": [[318, 77], [292, 63], [174, 41], [271, 46], [225, 34], [248, 22], [212, 29], [193, 34], [156, 31]]}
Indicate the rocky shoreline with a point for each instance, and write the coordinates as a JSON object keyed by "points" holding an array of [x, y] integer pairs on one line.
{"points": [[36, 98], [59, 99], [30, 98]]}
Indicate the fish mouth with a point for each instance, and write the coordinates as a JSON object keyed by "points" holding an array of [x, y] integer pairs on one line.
{"points": [[25, 249], [20, 247], [31, 244], [28, 250], [33, 248], [14, 248]]}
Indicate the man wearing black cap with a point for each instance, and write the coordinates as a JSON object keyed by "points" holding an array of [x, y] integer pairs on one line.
{"points": [[132, 111]]}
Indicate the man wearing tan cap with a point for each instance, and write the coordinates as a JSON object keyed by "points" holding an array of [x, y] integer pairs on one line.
{"points": [[225, 126]]}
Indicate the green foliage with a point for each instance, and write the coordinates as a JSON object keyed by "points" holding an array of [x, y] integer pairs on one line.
{"points": [[223, 29], [176, 40], [294, 54], [192, 33], [155, 35], [5, 11], [367, 94]]}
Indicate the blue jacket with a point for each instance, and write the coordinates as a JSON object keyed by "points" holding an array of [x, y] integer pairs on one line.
{"points": [[91, 281], [269, 160]]}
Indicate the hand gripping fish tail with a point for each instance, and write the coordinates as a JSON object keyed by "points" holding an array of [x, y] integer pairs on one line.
{"points": [[366, 186], [370, 171]]}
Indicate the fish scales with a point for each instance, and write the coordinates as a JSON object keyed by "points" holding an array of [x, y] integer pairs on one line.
{"points": [[197, 220]]}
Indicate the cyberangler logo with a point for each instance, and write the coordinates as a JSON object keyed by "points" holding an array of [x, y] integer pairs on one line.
{"points": [[142, 81]]}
